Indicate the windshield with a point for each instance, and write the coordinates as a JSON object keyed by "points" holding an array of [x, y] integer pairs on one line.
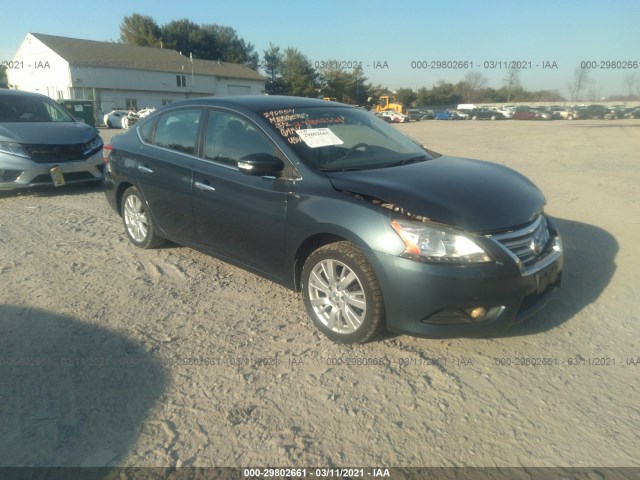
{"points": [[342, 139], [18, 108]]}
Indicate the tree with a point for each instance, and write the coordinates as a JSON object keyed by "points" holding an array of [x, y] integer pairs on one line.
{"points": [[334, 82], [631, 81], [472, 82], [405, 96], [348, 87], [272, 66], [579, 83], [208, 42], [140, 30], [444, 93], [225, 44], [299, 76], [358, 90], [187, 38], [511, 81]]}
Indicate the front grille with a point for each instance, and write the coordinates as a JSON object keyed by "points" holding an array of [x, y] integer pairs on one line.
{"points": [[528, 244], [56, 153], [44, 153]]}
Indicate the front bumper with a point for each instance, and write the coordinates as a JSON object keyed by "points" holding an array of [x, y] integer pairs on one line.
{"points": [[19, 173], [436, 300]]}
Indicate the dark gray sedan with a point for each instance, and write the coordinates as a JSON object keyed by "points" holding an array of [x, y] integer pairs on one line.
{"points": [[376, 230]]}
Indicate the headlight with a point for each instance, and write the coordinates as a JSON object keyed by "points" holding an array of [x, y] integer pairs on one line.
{"points": [[94, 144], [438, 245], [14, 149]]}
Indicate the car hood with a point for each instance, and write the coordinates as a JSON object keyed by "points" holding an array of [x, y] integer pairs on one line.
{"points": [[49, 133], [470, 194]]}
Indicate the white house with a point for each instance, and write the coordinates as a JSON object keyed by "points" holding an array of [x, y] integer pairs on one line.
{"points": [[114, 75]]}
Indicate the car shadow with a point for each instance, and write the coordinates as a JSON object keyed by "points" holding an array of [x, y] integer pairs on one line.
{"points": [[589, 266], [73, 393], [65, 190]]}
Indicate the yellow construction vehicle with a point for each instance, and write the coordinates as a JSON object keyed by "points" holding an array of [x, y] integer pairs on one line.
{"points": [[387, 102]]}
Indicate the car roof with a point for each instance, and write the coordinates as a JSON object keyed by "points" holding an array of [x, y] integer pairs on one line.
{"points": [[19, 93], [259, 103]]}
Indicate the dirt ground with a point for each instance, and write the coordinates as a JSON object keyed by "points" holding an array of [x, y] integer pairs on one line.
{"points": [[111, 355]]}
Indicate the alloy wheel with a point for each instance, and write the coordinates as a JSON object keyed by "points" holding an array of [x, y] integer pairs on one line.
{"points": [[337, 296]]}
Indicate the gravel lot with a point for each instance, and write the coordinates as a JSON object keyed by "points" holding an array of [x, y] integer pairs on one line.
{"points": [[98, 339]]}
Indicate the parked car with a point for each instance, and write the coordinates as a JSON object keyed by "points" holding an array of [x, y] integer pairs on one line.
{"points": [[129, 120], [634, 113], [506, 111], [41, 144], [616, 113], [414, 115], [486, 114], [374, 229], [448, 115], [527, 113], [145, 112], [463, 114], [391, 116], [549, 114], [562, 112], [428, 114], [113, 119], [596, 111]]}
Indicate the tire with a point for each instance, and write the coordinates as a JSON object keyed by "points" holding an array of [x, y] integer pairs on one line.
{"points": [[109, 124], [475, 117], [493, 117], [349, 313], [137, 220]]}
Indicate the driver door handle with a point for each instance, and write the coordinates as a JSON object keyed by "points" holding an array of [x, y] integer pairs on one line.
{"points": [[204, 186]]}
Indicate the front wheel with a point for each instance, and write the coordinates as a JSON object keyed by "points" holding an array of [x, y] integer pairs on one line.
{"points": [[342, 294], [137, 220]]}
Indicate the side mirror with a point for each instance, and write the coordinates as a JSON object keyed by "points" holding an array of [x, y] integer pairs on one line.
{"points": [[260, 165]]}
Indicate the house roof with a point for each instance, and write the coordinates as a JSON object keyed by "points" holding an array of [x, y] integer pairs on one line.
{"points": [[91, 53]]}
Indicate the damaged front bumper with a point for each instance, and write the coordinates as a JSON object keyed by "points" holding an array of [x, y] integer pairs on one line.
{"points": [[471, 300]]}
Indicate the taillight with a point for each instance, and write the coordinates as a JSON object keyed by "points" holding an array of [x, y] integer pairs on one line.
{"points": [[106, 152]]}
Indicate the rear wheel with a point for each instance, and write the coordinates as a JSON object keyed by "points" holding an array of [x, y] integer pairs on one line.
{"points": [[137, 220], [342, 294]]}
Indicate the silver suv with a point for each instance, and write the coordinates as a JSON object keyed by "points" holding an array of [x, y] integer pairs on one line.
{"points": [[41, 144]]}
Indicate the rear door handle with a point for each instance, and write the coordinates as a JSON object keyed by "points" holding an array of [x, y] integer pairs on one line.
{"points": [[204, 186], [144, 169]]}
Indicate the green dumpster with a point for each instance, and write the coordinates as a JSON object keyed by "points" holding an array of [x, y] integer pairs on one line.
{"points": [[81, 109]]}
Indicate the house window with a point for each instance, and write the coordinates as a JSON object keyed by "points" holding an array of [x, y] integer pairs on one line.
{"points": [[181, 80], [165, 101], [131, 103]]}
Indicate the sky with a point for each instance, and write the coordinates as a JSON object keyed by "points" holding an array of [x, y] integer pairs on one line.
{"points": [[399, 44]]}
